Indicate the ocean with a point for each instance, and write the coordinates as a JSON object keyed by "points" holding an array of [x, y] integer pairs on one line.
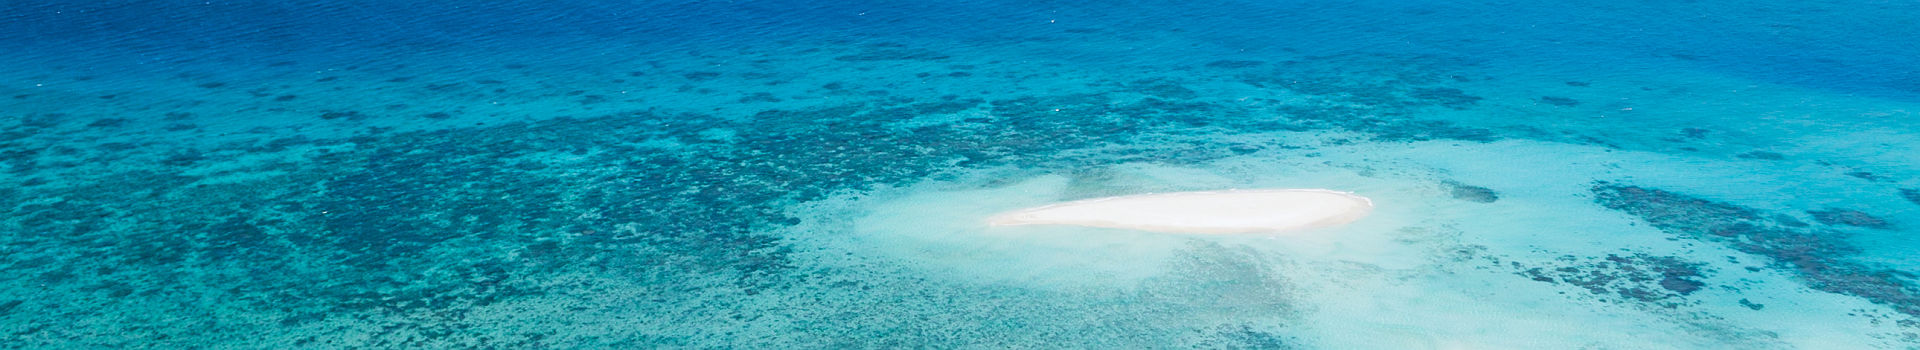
{"points": [[747, 174]]}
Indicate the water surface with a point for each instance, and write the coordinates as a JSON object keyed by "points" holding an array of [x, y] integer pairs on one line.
{"points": [[771, 174]]}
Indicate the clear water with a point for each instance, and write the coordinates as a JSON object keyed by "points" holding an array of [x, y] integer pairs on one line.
{"points": [[764, 174]]}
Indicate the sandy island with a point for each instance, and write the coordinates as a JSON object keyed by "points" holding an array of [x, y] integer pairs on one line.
{"points": [[1208, 212]]}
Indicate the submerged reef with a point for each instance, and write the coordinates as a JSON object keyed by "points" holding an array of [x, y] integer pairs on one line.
{"points": [[1641, 278], [1245, 337], [1471, 193], [1817, 256], [1849, 217], [1559, 101], [1761, 155], [1348, 92]]}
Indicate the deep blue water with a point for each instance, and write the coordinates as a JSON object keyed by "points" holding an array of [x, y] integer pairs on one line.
{"points": [[1842, 46], [757, 174]]}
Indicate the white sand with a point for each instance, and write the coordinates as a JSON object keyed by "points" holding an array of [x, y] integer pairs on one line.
{"points": [[1209, 212]]}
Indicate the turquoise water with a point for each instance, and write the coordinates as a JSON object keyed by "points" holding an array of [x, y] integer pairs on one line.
{"points": [[762, 174]]}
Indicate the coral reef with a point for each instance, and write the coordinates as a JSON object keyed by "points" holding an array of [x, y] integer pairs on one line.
{"points": [[1559, 101], [1818, 257], [1761, 155], [1245, 337], [1656, 280], [1471, 193], [1849, 217]]}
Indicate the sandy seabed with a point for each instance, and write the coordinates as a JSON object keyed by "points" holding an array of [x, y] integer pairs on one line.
{"points": [[1205, 212]]}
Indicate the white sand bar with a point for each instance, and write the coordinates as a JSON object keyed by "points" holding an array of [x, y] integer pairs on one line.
{"points": [[1208, 212]]}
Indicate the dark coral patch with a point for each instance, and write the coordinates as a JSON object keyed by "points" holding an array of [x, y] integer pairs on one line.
{"points": [[1449, 97], [1788, 221], [1388, 128], [759, 97], [1471, 193], [1817, 256], [108, 123], [1657, 280], [1558, 101], [1911, 194], [1849, 217], [1680, 285], [183, 158], [1164, 89], [1761, 155], [1246, 337], [348, 115]]}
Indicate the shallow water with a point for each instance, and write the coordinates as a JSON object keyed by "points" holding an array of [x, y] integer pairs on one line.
{"points": [[753, 174]]}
